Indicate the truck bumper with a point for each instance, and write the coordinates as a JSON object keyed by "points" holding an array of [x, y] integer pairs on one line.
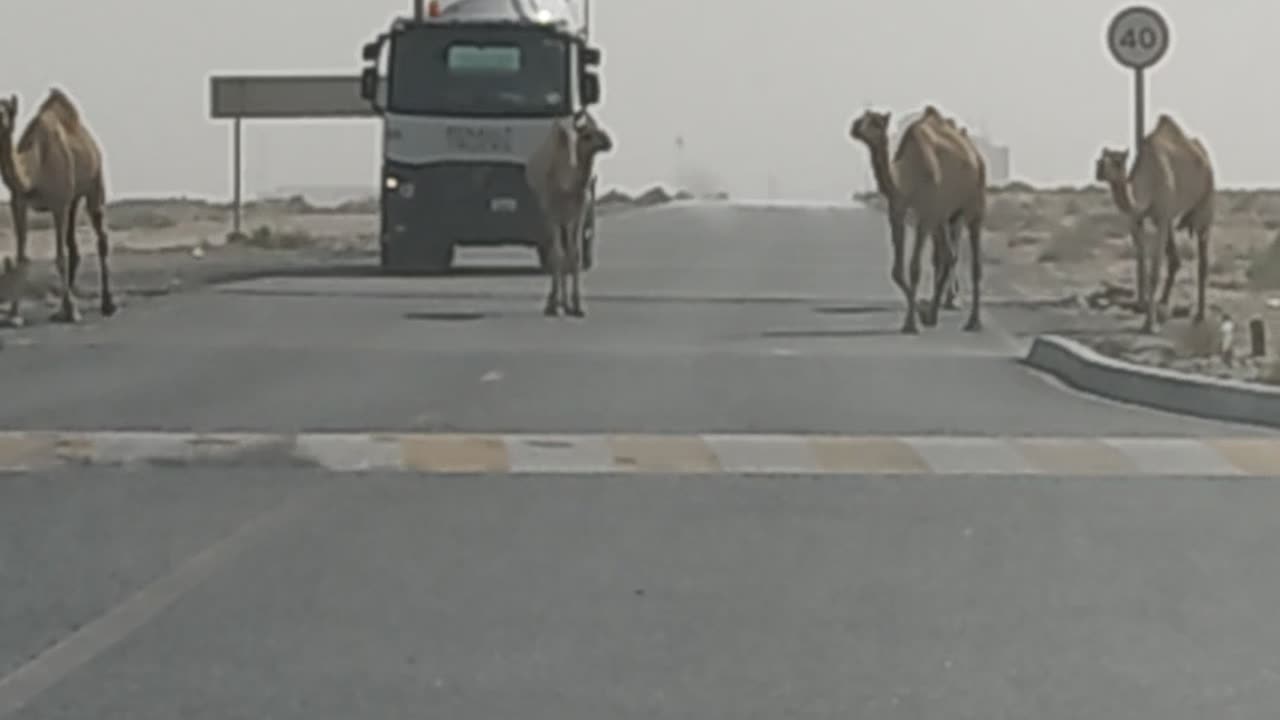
{"points": [[428, 210]]}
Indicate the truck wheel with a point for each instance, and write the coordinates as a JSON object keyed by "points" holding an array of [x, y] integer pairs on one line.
{"points": [[441, 259], [438, 261]]}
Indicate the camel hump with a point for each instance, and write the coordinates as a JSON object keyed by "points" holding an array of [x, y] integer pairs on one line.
{"points": [[1166, 125], [61, 106], [920, 138]]}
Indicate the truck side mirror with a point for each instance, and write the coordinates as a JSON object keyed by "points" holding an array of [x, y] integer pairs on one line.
{"points": [[590, 88], [371, 51], [590, 56], [369, 84]]}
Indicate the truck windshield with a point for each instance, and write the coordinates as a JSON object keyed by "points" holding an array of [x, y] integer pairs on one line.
{"points": [[472, 72]]}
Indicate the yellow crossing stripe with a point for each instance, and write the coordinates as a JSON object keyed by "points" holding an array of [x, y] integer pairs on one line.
{"points": [[467, 453]]}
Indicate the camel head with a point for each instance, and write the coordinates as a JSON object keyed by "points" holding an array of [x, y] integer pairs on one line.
{"points": [[8, 115], [1112, 166], [592, 139], [871, 128]]}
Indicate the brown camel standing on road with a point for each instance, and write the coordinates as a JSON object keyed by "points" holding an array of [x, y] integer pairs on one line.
{"points": [[1172, 184], [953, 229], [937, 178], [55, 164]]}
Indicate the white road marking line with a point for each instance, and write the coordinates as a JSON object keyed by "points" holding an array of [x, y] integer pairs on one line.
{"points": [[978, 456], [764, 453], [1174, 456], [559, 453], [350, 453]]}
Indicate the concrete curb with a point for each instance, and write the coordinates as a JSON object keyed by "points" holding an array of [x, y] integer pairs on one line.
{"points": [[1086, 369]]}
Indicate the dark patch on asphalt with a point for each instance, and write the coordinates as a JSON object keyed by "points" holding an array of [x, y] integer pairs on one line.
{"points": [[550, 444], [445, 316], [851, 309], [830, 333]]}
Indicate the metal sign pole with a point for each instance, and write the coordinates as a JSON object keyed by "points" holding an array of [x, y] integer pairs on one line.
{"points": [[1138, 38], [1139, 107]]}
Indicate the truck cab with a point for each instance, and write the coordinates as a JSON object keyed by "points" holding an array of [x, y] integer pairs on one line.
{"points": [[471, 89]]}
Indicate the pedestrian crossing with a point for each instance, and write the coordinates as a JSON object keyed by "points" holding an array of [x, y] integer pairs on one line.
{"points": [[640, 454]]}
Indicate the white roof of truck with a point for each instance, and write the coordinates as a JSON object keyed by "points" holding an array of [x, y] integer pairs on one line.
{"points": [[557, 12]]}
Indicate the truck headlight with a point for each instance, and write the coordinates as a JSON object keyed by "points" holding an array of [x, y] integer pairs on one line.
{"points": [[394, 184]]}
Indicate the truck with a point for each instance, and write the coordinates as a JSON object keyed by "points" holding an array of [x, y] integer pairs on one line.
{"points": [[470, 89]]}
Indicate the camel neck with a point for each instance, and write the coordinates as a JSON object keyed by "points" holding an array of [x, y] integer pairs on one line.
{"points": [[882, 169], [12, 169], [588, 169], [1122, 196], [581, 175]]}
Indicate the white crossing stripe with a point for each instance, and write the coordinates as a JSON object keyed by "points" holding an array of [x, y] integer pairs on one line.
{"points": [[640, 454]]}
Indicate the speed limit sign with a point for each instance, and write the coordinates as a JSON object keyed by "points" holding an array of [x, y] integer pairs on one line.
{"points": [[1138, 37]]}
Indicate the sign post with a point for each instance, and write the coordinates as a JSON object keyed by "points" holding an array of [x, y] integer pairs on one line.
{"points": [[1138, 38]]}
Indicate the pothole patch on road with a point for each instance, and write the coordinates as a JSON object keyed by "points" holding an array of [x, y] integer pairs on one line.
{"points": [[550, 444], [850, 309], [829, 333], [445, 316]]}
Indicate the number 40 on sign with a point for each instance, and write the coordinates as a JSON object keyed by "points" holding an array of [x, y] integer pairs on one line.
{"points": [[1138, 37]]}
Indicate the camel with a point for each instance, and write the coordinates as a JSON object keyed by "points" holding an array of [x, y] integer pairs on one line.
{"points": [[937, 177], [55, 164], [1172, 184], [953, 232], [558, 173]]}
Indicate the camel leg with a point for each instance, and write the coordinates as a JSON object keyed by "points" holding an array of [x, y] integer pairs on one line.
{"points": [[913, 280], [943, 263], [67, 311], [1140, 260], [974, 323], [1202, 269], [98, 220], [18, 210], [953, 288], [1152, 322], [73, 246], [564, 269], [898, 240], [1175, 264], [552, 306], [575, 267]]}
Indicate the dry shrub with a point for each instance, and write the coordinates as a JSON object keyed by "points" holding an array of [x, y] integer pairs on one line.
{"points": [[1078, 238], [1199, 339], [1006, 213], [1026, 239], [1270, 372], [1263, 272], [267, 238], [140, 219]]}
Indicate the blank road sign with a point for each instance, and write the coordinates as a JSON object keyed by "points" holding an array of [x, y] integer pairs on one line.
{"points": [[288, 96], [1138, 37]]}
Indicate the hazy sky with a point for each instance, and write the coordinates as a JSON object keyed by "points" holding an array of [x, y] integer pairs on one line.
{"points": [[755, 87]]}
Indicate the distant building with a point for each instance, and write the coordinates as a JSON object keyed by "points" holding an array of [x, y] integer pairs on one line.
{"points": [[997, 157]]}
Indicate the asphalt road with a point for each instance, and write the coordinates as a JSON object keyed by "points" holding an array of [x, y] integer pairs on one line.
{"points": [[260, 590], [699, 319]]}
